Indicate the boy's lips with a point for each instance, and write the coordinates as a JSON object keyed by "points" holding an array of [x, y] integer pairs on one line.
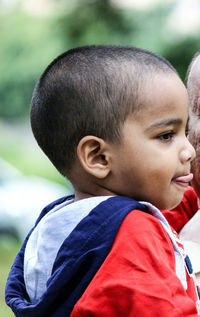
{"points": [[183, 180]]}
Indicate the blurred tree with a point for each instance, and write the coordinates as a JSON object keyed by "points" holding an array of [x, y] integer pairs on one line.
{"points": [[28, 43], [180, 53], [96, 22]]}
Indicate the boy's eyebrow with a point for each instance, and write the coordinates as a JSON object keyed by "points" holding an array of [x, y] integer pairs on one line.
{"points": [[164, 123]]}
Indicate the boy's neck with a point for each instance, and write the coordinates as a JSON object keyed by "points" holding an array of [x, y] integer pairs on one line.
{"points": [[82, 195]]}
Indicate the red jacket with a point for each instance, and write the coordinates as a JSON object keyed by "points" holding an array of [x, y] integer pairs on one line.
{"points": [[138, 276]]}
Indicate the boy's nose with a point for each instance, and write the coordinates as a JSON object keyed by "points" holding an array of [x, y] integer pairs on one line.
{"points": [[188, 153]]}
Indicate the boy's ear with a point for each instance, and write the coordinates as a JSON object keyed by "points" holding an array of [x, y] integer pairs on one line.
{"points": [[94, 156]]}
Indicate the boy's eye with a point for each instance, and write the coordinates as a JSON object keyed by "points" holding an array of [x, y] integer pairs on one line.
{"points": [[166, 136]]}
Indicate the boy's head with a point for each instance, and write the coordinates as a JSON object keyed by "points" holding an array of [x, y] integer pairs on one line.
{"points": [[90, 91], [87, 100], [193, 87]]}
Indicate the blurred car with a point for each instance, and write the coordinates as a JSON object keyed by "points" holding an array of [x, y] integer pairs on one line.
{"points": [[22, 198]]}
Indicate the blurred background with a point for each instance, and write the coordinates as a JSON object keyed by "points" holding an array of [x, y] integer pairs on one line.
{"points": [[32, 33]]}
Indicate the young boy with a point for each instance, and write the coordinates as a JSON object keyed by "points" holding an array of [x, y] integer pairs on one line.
{"points": [[112, 120]]}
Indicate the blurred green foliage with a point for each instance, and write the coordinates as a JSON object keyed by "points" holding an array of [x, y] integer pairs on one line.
{"points": [[180, 53], [96, 22], [8, 251], [18, 148], [30, 42]]}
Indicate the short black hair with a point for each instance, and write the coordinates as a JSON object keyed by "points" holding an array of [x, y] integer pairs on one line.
{"points": [[89, 90]]}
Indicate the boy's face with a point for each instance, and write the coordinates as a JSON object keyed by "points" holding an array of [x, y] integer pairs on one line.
{"points": [[152, 162]]}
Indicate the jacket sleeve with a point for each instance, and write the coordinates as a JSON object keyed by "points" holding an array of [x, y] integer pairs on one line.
{"points": [[138, 276], [180, 215]]}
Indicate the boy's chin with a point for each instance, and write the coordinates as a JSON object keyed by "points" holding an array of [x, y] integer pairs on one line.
{"points": [[171, 204], [174, 205]]}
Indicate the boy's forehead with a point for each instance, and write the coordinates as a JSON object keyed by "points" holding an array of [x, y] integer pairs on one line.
{"points": [[165, 96], [157, 83], [164, 85]]}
